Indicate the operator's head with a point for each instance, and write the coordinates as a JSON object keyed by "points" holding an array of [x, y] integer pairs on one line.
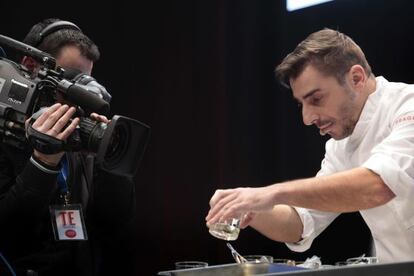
{"points": [[65, 42], [331, 52]]}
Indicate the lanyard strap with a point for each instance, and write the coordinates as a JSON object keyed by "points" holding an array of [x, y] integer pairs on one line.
{"points": [[62, 180]]}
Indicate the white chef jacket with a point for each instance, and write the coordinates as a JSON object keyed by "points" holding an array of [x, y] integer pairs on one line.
{"points": [[382, 141]]}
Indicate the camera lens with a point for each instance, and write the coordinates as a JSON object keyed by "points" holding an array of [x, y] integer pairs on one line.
{"points": [[117, 144], [91, 133]]}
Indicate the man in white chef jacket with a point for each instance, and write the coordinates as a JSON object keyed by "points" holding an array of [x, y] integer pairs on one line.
{"points": [[368, 164]]}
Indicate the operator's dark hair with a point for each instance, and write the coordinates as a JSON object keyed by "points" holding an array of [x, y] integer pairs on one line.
{"points": [[55, 41]]}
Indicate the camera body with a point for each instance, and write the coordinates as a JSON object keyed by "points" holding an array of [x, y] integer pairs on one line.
{"points": [[21, 96], [118, 145], [17, 91]]}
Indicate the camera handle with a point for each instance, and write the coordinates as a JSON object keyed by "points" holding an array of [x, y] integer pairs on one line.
{"points": [[42, 142]]}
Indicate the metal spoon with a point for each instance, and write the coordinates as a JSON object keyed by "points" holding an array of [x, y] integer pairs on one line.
{"points": [[236, 255]]}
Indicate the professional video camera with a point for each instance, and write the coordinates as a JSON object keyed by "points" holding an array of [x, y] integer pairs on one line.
{"points": [[118, 145]]}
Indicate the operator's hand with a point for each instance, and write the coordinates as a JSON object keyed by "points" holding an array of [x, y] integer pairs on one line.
{"points": [[54, 122], [233, 202], [99, 118]]}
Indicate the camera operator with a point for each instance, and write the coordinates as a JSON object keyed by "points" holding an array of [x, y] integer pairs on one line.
{"points": [[31, 182]]}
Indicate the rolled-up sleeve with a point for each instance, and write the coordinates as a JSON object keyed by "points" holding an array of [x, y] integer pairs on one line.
{"points": [[314, 222]]}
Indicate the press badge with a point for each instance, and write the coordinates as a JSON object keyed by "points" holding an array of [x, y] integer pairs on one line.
{"points": [[68, 223]]}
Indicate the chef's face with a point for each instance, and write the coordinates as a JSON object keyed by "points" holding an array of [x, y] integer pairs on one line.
{"points": [[327, 104]]}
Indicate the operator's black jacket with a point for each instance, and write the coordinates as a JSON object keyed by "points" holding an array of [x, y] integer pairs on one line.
{"points": [[26, 235]]}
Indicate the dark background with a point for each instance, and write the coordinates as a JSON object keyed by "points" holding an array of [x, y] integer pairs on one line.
{"points": [[200, 73]]}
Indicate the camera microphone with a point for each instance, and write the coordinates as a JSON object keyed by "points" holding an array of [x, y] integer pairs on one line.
{"points": [[42, 57]]}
